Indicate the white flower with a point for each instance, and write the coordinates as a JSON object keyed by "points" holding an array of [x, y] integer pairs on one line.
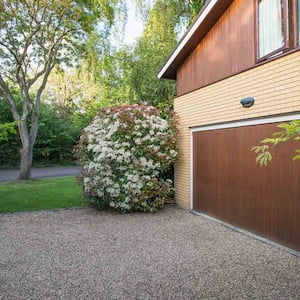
{"points": [[116, 166], [86, 180], [173, 153], [119, 158], [100, 193], [126, 155]]}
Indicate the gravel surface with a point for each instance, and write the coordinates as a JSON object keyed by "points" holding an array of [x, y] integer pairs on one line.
{"points": [[173, 254]]}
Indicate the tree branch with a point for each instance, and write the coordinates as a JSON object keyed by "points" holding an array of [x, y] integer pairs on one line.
{"points": [[9, 99]]}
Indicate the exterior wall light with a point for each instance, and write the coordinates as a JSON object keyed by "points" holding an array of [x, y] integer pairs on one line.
{"points": [[247, 102]]}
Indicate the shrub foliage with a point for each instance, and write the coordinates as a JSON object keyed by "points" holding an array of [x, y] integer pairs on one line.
{"points": [[123, 155]]}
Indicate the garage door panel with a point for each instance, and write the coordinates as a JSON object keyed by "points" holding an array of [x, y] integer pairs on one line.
{"points": [[229, 185]]}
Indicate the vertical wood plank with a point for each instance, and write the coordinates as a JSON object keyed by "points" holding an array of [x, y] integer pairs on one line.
{"points": [[230, 186]]}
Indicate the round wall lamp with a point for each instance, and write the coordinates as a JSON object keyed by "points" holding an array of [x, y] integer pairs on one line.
{"points": [[247, 102]]}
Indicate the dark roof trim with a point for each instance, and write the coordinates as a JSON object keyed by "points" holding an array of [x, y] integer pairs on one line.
{"points": [[208, 16]]}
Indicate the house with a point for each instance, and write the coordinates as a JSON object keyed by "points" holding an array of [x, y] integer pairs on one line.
{"points": [[239, 52]]}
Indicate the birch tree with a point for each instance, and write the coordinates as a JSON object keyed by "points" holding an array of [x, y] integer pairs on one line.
{"points": [[167, 21]]}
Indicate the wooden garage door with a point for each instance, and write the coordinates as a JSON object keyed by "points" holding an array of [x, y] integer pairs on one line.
{"points": [[230, 186]]}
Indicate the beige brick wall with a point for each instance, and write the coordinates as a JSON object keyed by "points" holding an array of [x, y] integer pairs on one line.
{"points": [[275, 87]]}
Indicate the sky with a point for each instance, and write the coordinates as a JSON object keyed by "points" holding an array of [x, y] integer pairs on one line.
{"points": [[134, 27]]}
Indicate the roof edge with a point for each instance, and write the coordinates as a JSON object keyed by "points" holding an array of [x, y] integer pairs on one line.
{"points": [[202, 15], [206, 17]]}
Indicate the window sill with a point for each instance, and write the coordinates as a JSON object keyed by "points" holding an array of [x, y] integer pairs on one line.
{"points": [[275, 56]]}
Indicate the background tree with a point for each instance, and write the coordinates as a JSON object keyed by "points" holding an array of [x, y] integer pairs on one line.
{"points": [[6, 129], [153, 47], [129, 74], [59, 131], [36, 35], [92, 70], [113, 76], [57, 135], [166, 22], [75, 94]]}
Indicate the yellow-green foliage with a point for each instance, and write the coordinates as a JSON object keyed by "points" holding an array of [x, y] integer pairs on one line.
{"points": [[290, 131]]}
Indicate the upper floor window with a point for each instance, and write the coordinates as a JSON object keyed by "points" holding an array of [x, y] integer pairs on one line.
{"points": [[272, 27]]}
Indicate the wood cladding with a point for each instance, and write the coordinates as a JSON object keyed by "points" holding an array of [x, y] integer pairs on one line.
{"points": [[230, 186], [210, 19], [275, 87], [228, 48]]}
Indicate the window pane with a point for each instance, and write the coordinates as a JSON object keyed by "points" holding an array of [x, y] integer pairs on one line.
{"points": [[270, 26]]}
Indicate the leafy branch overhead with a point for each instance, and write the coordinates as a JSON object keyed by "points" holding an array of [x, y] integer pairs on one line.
{"points": [[129, 75], [40, 35], [36, 35], [290, 131]]}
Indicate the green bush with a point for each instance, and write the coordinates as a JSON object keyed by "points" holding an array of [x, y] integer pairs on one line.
{"points": [[57, 135]]}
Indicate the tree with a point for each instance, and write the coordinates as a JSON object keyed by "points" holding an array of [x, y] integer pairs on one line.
{"points": [[36, 35], [155, 44], [194, 7], [113, 76], [57, 135], [166, 22], [75, 93], [129, 74], [290, 131], [184, 13]]}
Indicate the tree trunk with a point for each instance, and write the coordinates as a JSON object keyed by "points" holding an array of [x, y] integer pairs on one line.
{"points": [[26, 152], [26, 162]]}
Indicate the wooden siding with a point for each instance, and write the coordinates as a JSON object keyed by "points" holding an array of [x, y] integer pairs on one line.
{"points": [[188, 44], [229, 186], [275, 87], [228, 48]]}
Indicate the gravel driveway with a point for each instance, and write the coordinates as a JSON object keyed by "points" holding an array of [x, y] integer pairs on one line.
{"points": [[173, 254]]}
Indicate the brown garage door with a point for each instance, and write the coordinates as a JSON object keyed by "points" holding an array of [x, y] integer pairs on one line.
{"points": [[230, 186]]}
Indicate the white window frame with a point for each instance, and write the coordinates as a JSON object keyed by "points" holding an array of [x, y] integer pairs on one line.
{"points": [[284, 25]]}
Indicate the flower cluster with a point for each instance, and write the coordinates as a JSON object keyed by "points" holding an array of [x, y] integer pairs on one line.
{"points": [[123, 153]]}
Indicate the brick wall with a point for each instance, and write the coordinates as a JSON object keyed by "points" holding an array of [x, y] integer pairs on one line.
{"points": [[275, 87]]}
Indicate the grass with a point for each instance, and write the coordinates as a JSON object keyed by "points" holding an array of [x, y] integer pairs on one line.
{"points": [[41, 194]]}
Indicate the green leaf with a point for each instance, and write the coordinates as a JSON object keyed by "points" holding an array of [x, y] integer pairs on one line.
{"points": [[258, 149], [296, 157], [264, 158]]}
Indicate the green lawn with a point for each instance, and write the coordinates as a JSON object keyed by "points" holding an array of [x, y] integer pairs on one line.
{"points": [[40, 194]]}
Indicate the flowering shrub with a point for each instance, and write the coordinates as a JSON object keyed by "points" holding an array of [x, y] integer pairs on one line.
{"points": [[123, 153]]}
